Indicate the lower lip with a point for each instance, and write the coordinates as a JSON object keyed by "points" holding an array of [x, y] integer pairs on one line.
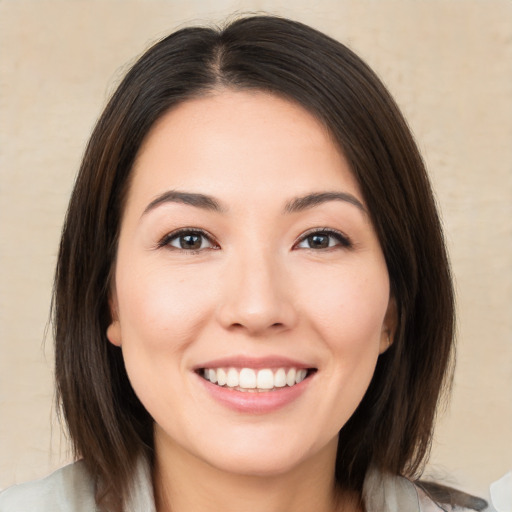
{"points": [[258, 402]]}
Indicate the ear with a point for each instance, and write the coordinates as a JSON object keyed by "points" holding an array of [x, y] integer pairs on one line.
{"points": [[388, 326], [114, 329]]}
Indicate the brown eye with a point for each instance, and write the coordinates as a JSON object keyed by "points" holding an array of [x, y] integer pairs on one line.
{"points": [[317, 241], [324, 239], [188, 240]]}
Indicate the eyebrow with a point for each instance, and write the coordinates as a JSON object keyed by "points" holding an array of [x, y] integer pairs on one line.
{"points": [[191, 198], [300, 204], [295, 205]]}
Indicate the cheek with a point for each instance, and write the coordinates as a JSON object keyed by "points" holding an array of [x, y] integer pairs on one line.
{"points": [[161, 314], [160, 308], [348, 312], [349, 319], [349, 305]]}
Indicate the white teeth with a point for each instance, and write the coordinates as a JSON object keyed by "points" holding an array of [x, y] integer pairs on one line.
{"points": [[290, 377], [232, 379], [265, 379], [280, 378], [221, 377], [248, 379], [300, 376]]}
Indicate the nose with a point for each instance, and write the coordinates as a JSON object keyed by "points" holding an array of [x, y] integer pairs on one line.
{"points": [[257, 297]]}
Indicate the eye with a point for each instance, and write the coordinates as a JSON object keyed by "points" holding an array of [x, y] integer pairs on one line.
{"points": [[193, 240], [323, 239]]}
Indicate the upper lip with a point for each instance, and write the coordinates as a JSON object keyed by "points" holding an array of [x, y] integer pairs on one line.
{"points": [[253, 362]]}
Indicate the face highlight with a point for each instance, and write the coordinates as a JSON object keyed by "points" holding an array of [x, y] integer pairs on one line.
{"points": [[251, 297]]}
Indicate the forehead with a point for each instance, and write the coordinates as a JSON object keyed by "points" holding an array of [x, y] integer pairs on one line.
{"points": [[240, 143]]}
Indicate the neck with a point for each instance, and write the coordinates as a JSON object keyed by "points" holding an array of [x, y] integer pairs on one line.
{"points": [[185, 483]]}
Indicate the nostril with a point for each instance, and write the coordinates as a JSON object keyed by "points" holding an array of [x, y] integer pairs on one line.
{"points": [[255, 316], [253, 326]]}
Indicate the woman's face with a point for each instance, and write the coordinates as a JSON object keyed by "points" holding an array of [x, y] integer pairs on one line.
{"points": [[247, 258]]}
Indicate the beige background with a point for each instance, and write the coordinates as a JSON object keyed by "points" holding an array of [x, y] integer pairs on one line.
{"points": [[449, 64]]}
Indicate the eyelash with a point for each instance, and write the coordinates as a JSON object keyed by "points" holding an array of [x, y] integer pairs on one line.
{"points": [[342, 239], [175, 235]]}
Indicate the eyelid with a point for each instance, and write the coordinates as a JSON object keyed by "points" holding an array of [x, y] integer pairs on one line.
{"points": [[342, 238]]}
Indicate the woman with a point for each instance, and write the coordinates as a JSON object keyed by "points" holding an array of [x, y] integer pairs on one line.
{"points": [[253, 305]]}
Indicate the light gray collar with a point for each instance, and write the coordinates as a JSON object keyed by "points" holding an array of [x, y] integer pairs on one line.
{"points": [[141, 498], [381, 492], [389, 493]]}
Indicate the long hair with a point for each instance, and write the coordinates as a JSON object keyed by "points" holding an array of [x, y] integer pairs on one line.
{"points": [[392, 426]]}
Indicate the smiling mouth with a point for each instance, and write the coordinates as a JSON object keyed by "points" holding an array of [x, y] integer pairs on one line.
{"points": [[251, 380]]}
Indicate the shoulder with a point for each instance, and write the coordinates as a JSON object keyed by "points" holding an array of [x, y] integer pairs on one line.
{"points": [[69, 489], [432, 493], [427, 504], [383, 492]]}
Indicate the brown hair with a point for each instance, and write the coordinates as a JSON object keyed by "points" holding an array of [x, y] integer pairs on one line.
{"points": [[392, 426]]}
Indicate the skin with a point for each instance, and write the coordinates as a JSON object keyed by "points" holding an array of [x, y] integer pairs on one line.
{"points": [[255, 287]]}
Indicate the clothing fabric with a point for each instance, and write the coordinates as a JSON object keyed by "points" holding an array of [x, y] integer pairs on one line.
{"points": [[71, 489]]}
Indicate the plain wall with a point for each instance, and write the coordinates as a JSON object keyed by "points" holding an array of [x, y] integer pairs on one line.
{"points": [[449, 65]]}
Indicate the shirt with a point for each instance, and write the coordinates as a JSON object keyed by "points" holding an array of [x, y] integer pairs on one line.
{"points": [[71, 489]]}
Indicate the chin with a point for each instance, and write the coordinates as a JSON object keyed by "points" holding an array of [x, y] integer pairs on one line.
{"points": [[266, 456], [258, 463]]}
